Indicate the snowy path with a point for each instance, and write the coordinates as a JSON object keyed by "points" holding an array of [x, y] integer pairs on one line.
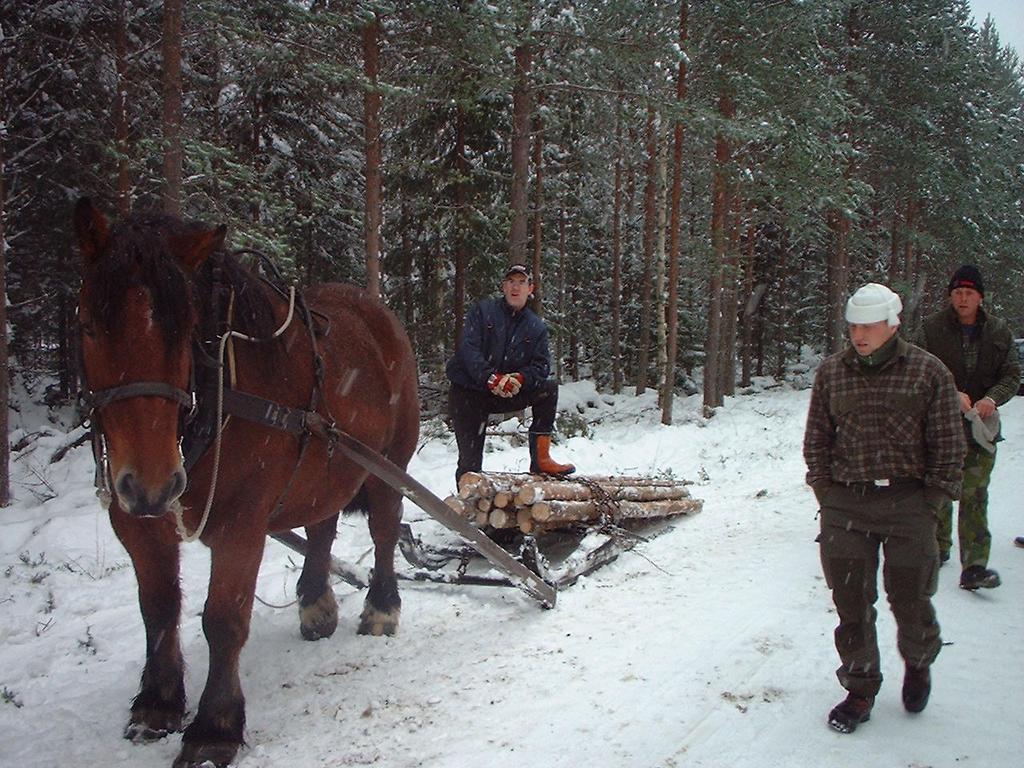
{"points": [[708, 646]]}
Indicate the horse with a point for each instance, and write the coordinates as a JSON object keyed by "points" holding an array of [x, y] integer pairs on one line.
{"points": [[176, 332]]}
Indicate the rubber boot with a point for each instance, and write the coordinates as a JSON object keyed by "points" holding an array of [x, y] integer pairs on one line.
{"points": [[541, 462]]}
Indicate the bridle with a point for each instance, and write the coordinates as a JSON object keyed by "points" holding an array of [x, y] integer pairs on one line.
{"points": [[187, 400], [104, 397], [92, 403]]}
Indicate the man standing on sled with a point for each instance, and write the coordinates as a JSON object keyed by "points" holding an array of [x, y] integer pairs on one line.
{"points": [[502, 365]]}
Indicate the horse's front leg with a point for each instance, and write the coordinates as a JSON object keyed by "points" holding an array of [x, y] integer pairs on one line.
{"points": [[216, 733], [383, 606], [160, 704]]}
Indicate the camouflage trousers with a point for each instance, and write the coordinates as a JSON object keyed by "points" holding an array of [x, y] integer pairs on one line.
{"points": [[858, 527], [972, 523]]}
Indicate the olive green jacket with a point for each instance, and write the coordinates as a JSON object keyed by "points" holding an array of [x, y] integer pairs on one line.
{"points": [[997, 373]]}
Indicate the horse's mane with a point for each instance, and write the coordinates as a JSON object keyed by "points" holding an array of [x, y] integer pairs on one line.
{"points": [[223, 280], [139, 255]]}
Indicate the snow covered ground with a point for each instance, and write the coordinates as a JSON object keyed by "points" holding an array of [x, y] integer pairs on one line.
{"points": [[710, 645]]}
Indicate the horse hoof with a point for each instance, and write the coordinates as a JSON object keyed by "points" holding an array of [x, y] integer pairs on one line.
{"points": [[140, 733], [211, 755], [319, 619], [376, 622], [151, 726]]}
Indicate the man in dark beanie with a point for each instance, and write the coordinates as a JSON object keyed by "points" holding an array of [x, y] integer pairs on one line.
{"points": [[978, 348], [967, 276]]}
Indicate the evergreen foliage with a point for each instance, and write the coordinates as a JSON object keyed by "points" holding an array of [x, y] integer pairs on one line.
{"points": [[897, 120]]}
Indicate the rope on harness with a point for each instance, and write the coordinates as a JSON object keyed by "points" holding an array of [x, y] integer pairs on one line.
{"points": [[228, 335]]}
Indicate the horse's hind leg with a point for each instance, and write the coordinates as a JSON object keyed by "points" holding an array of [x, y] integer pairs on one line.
{"points": [[383, 605], [318, 610]]}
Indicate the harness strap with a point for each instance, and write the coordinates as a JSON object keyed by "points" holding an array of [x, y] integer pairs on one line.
{"points": [[96, 400], [266, 412]]}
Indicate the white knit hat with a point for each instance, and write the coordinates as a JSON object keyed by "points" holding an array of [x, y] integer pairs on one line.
{"points": [[872, 304]]}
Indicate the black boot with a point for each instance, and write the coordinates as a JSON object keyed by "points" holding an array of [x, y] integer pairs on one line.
{"points": [[917, 686], [851, 712], [979, 577]]}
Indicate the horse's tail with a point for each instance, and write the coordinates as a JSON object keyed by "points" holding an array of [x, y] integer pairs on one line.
{"points": [[360, 502]]}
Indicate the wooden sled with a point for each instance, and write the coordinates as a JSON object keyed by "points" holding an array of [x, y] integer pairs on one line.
{"points": [[559, 528]]}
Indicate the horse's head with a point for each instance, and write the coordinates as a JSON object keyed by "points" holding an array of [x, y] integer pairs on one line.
{"points": [[137, 318]]}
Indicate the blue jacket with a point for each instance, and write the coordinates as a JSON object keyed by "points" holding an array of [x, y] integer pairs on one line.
{"points": [[497, 340]]}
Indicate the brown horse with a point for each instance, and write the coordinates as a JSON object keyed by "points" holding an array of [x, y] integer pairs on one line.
{"points": [[158, 296]]}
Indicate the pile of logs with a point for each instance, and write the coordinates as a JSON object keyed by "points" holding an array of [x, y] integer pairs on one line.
{"points": [[539, 503]]}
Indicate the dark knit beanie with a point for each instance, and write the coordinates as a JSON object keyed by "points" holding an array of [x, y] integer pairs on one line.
{"points": [[968, 276]]}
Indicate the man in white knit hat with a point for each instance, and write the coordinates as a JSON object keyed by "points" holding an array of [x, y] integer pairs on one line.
{"points": [[884, 449]]}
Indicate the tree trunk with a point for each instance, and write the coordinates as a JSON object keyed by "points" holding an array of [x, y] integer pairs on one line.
{"points": [[430, 326], [839, 222], [650, 222], [751, 299], [438, 325], [894, 245], [5, 371], [719, 244], [838, 280], [371, 120], [462, 223], [408, 298], [520, 152], [909, 265], [172, 106], [256, 139], [120, 116], [560, 338], [672, 336], [730, 308], [538, 209], [617, 259], [661, 308], [782, 308]]}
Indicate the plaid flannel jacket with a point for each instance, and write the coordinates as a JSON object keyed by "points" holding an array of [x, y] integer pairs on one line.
{"points": [[899, 421]]}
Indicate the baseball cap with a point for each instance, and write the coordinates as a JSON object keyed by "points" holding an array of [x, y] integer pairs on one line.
{"points": [[518, 269]]}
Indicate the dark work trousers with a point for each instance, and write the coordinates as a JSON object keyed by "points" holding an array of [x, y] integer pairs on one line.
{"points": [[855, 521], [469, 408]]}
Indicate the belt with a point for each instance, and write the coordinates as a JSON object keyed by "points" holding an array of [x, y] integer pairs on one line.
{"points": [[870, 486]]}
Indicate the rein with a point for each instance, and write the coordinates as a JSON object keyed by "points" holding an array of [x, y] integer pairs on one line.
{"points": [[224, 340]]}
